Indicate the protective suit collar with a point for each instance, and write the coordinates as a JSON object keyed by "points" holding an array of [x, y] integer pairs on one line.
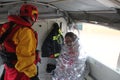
{"points": [[19, 20]]}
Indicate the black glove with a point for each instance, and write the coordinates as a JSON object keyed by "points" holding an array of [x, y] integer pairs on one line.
{"points": [[50, 67], [34, 78]]}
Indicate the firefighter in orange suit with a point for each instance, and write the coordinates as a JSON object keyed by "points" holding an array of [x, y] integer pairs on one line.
{"points": [[21, 45]]}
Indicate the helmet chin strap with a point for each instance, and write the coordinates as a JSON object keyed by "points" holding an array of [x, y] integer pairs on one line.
{"points": [[30, 20]]}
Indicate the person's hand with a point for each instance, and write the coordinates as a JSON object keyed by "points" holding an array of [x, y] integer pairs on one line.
{"points": [[34, 78]]}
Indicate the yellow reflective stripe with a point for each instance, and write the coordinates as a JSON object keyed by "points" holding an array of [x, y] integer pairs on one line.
{"points": [[34, 12], [60, 31], [56, 55], [56, 37]]}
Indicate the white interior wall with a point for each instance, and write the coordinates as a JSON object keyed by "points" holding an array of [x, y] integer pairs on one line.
{"points": [[43, 31]]}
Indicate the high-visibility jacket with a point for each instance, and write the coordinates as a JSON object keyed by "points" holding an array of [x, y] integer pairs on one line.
{"points": [[51, 46], [22, 42]]}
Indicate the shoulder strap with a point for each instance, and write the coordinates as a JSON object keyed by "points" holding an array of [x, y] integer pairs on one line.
{"points": [[3, 37]]}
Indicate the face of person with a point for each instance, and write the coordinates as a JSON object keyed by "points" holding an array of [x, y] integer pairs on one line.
{"points": [[30, 20], [68, 41]]}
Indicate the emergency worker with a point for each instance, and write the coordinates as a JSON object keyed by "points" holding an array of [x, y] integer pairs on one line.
{"points": [[20, 45]]}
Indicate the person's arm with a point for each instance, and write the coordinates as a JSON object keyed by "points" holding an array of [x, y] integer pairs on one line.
{"points": [[25, 51]]}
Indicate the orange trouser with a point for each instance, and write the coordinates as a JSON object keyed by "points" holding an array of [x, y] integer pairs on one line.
{"points": [[13, 74]]}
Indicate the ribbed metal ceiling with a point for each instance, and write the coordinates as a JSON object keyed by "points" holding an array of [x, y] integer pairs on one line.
{"points": [[102, 11]]}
